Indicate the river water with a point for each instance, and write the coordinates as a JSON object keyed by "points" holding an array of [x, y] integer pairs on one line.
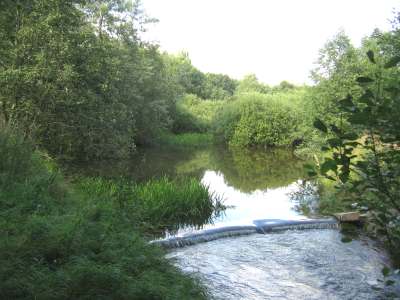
{"points": [[255, 184]]}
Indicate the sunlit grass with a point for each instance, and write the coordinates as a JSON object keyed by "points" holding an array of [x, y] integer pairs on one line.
{"points": [[161, 203]]}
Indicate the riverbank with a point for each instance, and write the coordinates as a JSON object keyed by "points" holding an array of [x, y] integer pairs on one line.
{"points": [[86, 238]]}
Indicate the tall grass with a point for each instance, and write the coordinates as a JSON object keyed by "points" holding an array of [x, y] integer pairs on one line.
{"points": [[186, 202], [84, 241], [157, 204]]}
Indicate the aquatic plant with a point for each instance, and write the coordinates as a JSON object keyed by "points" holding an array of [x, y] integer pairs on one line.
{"points": [[159, 203]]}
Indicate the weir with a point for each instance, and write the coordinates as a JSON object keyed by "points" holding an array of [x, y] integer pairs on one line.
{"points": [[263, 226]]}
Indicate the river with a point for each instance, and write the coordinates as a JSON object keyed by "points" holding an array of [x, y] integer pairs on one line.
{"points": [[259, 184]]}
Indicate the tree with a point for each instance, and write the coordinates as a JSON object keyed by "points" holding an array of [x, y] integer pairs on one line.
{"points": [[250, 83], [337, 68], [373, 176], [81, 91]]}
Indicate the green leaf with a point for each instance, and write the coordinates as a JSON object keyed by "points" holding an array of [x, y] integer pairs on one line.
{"points": [[308, 166], [392, 62], [360, 117], [352, 144], [346, 239], [344, 177], [330, 177], [363, 80], [367, 97], [348, 151], [328, 165], [335, 142], [371, 56], [385, 271], [347, 104], [312, 173], [392, 89], [320, 125], [335, 129], [350, 136], [347, 101]]}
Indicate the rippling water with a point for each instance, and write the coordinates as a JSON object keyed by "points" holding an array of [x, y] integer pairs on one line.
{"points": [[311, 264]]}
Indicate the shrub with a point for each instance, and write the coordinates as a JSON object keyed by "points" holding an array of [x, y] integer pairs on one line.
{"points": [[194, 114], [258, 119]]}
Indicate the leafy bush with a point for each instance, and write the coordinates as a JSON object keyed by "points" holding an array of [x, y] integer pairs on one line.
{"points": [[194, 114], [371, 174], [258, 119]]}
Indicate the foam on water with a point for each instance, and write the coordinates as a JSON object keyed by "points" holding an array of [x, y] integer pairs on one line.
{"points": [[258, 226], [312, 265]]}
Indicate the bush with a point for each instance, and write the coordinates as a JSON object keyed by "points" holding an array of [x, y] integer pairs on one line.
{"points": [[256, 119], [194, 114]]}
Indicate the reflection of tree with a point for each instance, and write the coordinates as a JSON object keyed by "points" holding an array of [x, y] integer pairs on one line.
{"points": [[250, 169], [244, 169], [147, 164]]}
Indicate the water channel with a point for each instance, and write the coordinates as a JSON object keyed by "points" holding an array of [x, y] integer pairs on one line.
{"points": [[259, 184]]}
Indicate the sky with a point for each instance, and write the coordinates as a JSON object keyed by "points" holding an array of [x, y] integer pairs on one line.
{"points": [[274, 39]]}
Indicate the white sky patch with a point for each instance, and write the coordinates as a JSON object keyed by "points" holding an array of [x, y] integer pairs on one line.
{"points": [[275, 39]]}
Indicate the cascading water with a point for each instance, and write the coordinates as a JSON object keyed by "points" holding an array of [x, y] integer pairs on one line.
{"points": [[260, 226], [312, 264]]}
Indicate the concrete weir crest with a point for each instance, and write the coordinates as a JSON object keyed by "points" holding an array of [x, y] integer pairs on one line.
{"points": [[259, 226]]}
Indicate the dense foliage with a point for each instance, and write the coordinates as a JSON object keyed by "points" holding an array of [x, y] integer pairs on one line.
{"points": [[75, 76], [79, 84], [256, 119], [363, 143], [84, 240]]}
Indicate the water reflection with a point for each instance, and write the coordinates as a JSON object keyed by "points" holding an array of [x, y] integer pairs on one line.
{"points": [[244, 208], [246, 170], [255, 183]]}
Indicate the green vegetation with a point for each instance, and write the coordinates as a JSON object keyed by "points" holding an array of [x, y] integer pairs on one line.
{"points": [[78, 86], [362, 148], [248, 170], [84, 240], [157, 204], [193, 139], [256, 119], [195, 115]]}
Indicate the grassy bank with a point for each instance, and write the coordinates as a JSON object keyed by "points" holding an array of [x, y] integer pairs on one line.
{"points": [[85, 239]]}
